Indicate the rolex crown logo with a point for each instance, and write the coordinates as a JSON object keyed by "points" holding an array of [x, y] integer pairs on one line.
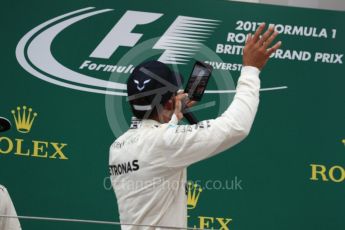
{"points": [[23, 117], [194, 191]]}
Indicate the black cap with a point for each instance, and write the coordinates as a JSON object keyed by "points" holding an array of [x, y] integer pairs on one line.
{"points": [[152, 83], [5, 124]]}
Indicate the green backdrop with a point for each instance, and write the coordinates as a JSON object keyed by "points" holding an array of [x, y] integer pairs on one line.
{"points": [[290, 171]]}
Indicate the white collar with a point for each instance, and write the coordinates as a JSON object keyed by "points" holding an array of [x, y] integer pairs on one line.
{"points": [[136, 123]]}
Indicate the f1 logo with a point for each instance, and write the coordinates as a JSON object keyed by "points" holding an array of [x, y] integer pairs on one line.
{"points": [[120, 34], [180, 41]]}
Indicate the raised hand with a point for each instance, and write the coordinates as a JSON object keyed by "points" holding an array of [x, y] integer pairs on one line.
{"points": [[256, 51]]}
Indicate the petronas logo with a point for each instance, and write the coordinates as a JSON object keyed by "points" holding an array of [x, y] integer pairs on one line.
{"points": [[194, 191], [24, 118]]}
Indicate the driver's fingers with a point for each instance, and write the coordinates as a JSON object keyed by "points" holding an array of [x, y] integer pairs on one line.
{"points": [[191, 103], [274, 48], [178, 105], [256, 36], [266, 35], [181, 96], [179, 99], [270, 39], [249, 38]]}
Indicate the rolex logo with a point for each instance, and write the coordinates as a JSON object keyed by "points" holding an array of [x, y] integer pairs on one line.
{"points": [[205, 220], [23, 117], [343, 141], [194, 191]]}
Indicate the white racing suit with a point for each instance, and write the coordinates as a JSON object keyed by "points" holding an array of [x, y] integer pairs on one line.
{"points": [[148, 162], [7, 208]]}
